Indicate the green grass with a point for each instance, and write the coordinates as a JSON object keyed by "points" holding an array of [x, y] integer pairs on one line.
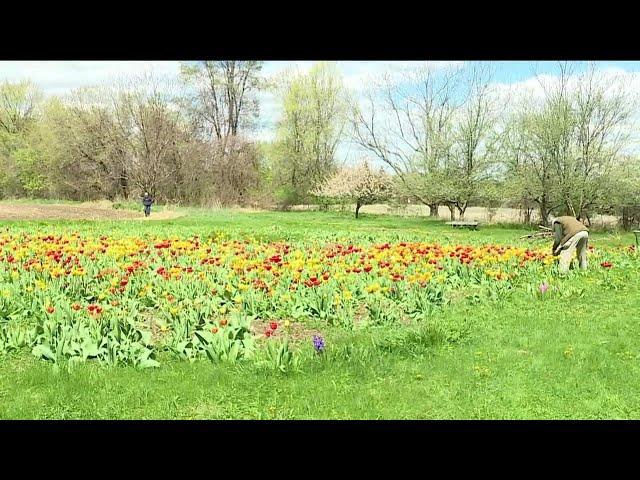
{"points": [[517, 358], [302, 225], [36, 202]]}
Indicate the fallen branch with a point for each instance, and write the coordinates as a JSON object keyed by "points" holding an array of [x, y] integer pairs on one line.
{"points": [[538, 235]]}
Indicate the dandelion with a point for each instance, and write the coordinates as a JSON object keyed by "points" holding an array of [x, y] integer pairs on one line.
{"points": [[318, 343]]}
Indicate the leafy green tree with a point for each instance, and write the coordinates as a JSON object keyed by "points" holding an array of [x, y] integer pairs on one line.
{"points": [[314, 107]]}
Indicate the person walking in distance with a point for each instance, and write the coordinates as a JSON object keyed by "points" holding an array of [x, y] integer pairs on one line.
{"points": [[147, 201], [570, 235]]}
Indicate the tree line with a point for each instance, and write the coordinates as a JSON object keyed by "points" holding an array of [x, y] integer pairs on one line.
{"points": [[445, 137]]}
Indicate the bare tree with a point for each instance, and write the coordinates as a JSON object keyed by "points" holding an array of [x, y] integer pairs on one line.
{"points": [[147, 134], [475, 141], [432, 128], [603, 106], [569, 142], [223, 98], [85, 161]]}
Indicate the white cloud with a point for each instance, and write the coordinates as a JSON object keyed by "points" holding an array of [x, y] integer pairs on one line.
{"points": [[276, 67], [359, 74], [534, 87], [57, 78]]}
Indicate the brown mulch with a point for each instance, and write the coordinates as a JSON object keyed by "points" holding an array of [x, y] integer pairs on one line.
{"points": [[296, 333]]}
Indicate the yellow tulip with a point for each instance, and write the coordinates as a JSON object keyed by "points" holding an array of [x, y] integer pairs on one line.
{"points": [[374, 287]]}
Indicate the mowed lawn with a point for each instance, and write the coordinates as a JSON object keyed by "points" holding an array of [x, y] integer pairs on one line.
{"points": [[575, 356]]}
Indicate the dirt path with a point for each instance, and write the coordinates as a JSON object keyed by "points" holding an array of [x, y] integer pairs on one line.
{"points": [[82, 211]]}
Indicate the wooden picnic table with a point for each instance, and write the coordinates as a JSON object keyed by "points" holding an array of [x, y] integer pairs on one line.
{"points": [[472, 225]]}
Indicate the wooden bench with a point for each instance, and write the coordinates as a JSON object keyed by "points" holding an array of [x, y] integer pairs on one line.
{"points": [[472, 225]]}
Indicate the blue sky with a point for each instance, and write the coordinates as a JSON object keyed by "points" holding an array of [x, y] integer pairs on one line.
{"points": [[59, 77]]}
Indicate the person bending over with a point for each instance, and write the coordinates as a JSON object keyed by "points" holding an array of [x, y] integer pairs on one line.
{"points": [[570, 236]]}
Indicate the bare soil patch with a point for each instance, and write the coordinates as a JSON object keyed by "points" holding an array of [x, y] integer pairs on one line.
{"points": [[84, 211], [296, 333]]}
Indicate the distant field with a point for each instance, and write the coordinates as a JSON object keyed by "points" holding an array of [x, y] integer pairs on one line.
{"points": [[480, 214]]}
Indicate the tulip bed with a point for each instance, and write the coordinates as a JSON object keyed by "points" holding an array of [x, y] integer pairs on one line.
{"points": [[72, 295]]}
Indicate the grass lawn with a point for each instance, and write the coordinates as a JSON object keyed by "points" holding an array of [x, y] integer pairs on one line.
{"points": [[566, 356]]}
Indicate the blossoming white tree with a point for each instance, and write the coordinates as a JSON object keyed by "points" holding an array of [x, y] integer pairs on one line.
{"points": [[359, 184]]}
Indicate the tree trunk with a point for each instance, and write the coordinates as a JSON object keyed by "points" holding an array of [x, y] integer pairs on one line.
{"points": [[570, 208], [124, 185], [527, 216], [626, 221], [357, 209], [544, 212], [461, 211], [433, 210], [452, 211]]}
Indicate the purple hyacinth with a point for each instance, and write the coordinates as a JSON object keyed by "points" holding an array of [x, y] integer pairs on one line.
{"points": [[318, 343]]}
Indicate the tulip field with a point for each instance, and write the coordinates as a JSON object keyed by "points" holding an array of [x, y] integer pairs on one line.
{"points": [[268, 303]]}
